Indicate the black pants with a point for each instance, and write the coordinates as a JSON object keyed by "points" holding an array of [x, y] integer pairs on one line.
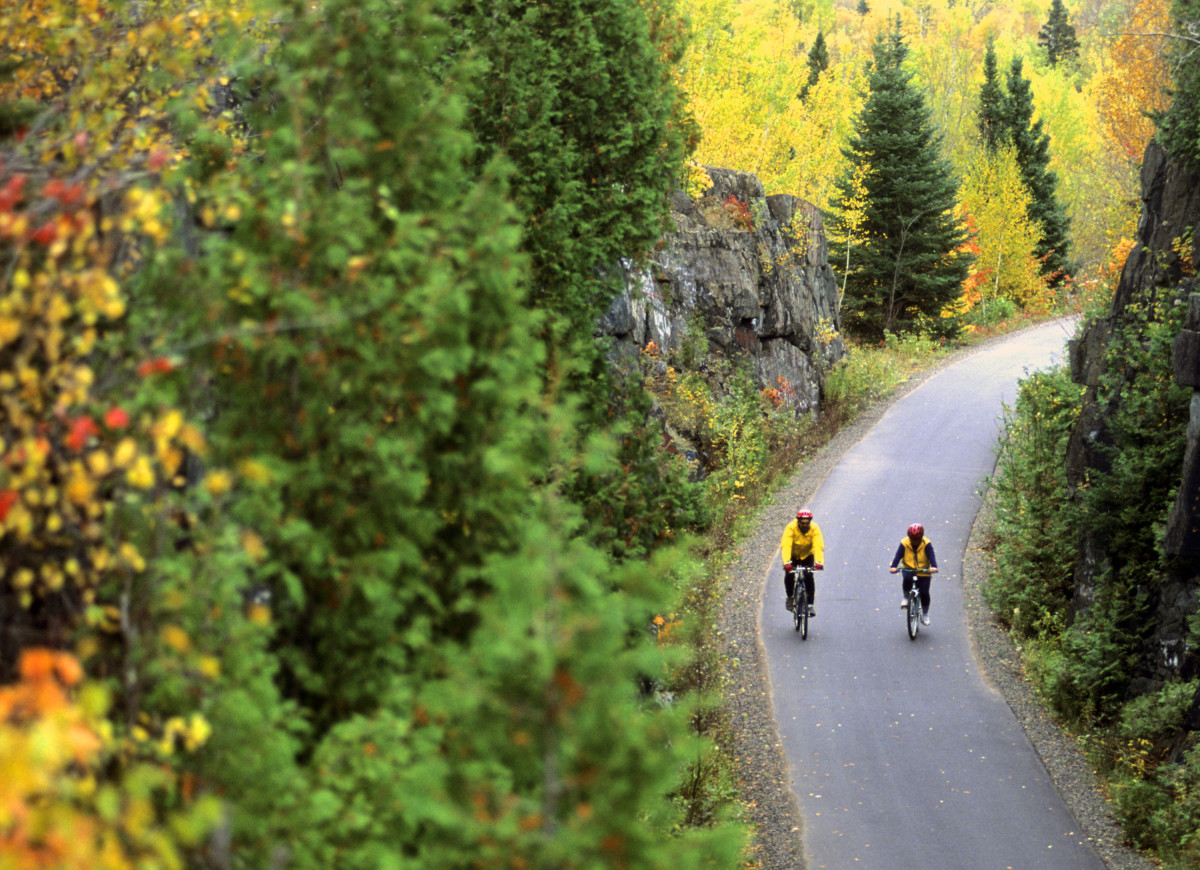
{"points": [[810, 586], [922, 586]]}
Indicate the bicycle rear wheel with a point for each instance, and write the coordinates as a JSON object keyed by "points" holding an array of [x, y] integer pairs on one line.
{"points": [[914, 613]]}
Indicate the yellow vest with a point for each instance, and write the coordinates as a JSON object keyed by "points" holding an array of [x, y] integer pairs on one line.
{"points": [[915, 559]]}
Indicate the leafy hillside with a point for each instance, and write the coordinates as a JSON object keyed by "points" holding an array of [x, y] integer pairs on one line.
{"points": [[767, 100], [329, 540]]}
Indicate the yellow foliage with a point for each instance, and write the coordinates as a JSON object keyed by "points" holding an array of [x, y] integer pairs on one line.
{"points": [[1137, 79], [58, 808]]}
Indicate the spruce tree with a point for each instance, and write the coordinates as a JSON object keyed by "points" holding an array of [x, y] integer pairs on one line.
{"points": [[818, 62], [1032, 147], [1057, 35], [579, 98], [1179, 126], [457, 664], [991, 101], [894, 221]]}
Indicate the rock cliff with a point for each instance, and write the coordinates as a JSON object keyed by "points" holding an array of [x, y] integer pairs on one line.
{"points": [[745, 277], [1162, 262]]}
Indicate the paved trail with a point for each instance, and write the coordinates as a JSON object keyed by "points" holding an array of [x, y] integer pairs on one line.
{"points": [[901, 756]]}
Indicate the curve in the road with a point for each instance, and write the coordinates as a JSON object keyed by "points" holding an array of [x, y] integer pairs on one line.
{"points": [[901, 755]]}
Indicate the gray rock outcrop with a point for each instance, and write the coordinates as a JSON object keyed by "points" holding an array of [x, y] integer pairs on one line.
{"points": [[745, 277], [1163, 260]]}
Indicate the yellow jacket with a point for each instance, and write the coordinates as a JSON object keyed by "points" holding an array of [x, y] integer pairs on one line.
{"points": [[919, 558], [796, 544]]}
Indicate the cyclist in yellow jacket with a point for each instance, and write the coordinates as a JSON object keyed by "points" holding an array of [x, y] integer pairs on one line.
{"points": [[802, 544], [918, 562]]}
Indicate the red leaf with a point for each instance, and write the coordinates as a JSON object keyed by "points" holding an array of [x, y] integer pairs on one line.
{"points": [[10, 194], [159, 158], [82, 428], [44, 234], [8, 498], [157, 366], [116, 418]]}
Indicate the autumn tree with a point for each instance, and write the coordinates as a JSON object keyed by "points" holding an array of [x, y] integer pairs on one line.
{"points": [[742, 75], [894, 229], [1005, 267], [100, 472], [1057, 35], [1137, 84]]}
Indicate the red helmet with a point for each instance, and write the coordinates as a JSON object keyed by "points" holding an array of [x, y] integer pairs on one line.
{"points": [[916, 530], [804, 514]]}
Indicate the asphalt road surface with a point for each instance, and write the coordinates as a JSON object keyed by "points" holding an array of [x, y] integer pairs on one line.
{"points": [[901, 755]]}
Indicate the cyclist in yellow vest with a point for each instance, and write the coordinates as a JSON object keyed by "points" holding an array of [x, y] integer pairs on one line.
{"points": [[918, 562], [802, 544]]}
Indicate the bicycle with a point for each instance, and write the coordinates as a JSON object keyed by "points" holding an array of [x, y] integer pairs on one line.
{"points": [[913, 610], [798, 603]]}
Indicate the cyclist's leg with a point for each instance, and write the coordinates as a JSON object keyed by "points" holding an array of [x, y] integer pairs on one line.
{"points": [[906, 583], [789, 586], [923, 591]]}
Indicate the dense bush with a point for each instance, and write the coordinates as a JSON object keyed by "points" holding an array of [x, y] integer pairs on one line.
{"points": [[333, 567], [1036, 525]]}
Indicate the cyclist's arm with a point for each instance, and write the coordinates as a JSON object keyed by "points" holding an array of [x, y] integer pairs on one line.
{"points": [[785, 544], [899, 555], [932, 558]]}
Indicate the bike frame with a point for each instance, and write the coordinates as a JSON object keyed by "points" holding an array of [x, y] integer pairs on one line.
{"points": [[913, 614]]}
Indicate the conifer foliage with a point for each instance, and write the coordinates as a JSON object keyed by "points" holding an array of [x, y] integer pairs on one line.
{"points": [[327, 570], [818, 62], [1057, 35], [1031, 145], [1006, 121], [894, 229], [1179, 126], [577, 95], [991, 102]]}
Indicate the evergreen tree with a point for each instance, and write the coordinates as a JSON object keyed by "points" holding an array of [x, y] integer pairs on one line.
{"points": [[991, 101], [863, 7], [894, 222], [1057, 35], [818, 62], [1179, 126], [456, 664], [580, 98], [1032, 148], [582, 101]]}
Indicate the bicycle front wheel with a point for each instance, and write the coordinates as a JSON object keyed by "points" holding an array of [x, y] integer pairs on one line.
{"points": [[914, 614]]}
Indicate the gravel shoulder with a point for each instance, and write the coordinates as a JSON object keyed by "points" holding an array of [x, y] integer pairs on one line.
{"points": [[758, 753]]}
